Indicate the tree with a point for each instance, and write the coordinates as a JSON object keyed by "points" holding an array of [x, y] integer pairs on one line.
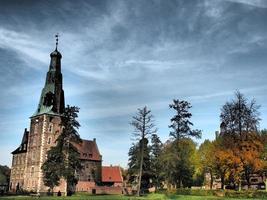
{"points": [[240, 121], [180, 122], [177, 162], [134, 164], [65, 154], [156, 148], [143, 124], [52, 168], [179, 152], [206, 156], [240, 117]]}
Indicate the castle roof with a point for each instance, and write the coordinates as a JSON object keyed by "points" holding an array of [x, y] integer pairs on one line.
{"points": [[89, 150], [111, 174], [24, 142]]}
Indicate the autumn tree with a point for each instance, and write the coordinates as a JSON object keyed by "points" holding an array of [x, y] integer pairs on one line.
{"points": [[143, 124], [240, 121]]}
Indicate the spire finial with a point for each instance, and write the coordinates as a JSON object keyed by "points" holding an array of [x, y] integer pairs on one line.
{"points": [[56, 36]]}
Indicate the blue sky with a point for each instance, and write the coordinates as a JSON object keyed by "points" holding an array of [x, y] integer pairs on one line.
{"points": [[122, 55]]}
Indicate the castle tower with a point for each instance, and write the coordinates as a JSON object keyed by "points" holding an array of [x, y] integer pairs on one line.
{"points": [[45, 125]]}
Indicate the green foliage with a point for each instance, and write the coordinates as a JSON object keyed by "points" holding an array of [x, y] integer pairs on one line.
{"points": [[63, 160], [177, 160], [134, 164], [143, 124], [4, 174], [53, 167], [180, 122], [156, 148]]}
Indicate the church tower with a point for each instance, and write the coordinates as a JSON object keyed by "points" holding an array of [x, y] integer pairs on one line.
{"points": [[45, 127], [45, 124]]}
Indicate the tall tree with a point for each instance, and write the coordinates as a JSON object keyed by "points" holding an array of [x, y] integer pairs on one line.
{"points": [[65, 154], [182, 145], [180, 122], [156, 148], [240, 121], [143, 124]]}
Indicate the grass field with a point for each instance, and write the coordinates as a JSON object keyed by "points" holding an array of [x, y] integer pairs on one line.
{"points": [[119, 197]]}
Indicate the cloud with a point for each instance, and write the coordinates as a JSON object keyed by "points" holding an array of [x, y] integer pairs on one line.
{"points": [[256, 3], [122, 55], [22, 44]]}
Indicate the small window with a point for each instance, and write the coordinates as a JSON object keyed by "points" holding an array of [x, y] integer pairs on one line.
{"points": [[32, 171], [50, 128], [49, 140]]}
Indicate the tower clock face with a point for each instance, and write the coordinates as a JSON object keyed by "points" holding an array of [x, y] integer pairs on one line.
{"points": [[48, 99]]}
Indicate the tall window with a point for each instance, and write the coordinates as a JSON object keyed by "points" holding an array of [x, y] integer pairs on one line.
{"points": [[50, 128], [32, 171], [49, 140]]}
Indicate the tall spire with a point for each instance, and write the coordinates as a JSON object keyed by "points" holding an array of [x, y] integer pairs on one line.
{"points": [[56, 36], [52, 96]]}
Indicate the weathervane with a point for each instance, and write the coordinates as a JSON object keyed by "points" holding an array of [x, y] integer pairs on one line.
{"points": [[56, 36]]}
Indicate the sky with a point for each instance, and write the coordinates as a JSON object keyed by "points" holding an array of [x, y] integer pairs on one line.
{"points": [[119, 56]]}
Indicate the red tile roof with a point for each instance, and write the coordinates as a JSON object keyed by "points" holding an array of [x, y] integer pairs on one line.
{"points": [[111, 174], [88, 150]]}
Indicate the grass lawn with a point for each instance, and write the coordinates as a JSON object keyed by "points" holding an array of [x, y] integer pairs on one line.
{"points": [[120, 197]]}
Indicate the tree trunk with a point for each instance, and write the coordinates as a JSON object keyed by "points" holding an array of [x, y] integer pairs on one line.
{"points": [[222, 181], [211, 179], [247, 177], [141, 165]]}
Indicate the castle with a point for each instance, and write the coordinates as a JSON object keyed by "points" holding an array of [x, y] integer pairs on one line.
{"points": [[26, 173]]}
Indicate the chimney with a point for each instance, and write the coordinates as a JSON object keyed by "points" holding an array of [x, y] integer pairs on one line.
{"points": [[94, 140]]}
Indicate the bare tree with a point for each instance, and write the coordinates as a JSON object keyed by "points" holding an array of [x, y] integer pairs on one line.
{"points": [[143, 124]]}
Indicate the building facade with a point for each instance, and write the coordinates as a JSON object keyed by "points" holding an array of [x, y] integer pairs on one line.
{"points": [[28, 158]]}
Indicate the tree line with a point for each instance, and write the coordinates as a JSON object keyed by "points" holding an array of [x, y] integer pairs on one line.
{"points": [[239, 150]]}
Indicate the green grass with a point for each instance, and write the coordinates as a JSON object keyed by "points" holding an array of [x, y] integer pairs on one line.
{"points": [[120, 197]]}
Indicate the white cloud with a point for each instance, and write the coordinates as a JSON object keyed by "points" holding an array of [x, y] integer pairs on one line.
{"points": [[256, 3], [24, 45]]}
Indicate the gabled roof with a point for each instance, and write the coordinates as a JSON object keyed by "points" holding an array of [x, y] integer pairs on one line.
{"points": [[88, 150], [111, 174], [24, 142]]}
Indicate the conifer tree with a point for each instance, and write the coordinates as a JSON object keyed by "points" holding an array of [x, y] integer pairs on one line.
{"points": [[63, 160], [156, 148]]}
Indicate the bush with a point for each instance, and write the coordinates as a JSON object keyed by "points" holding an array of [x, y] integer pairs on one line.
{"points": [[246, 194], [221, 193]]}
